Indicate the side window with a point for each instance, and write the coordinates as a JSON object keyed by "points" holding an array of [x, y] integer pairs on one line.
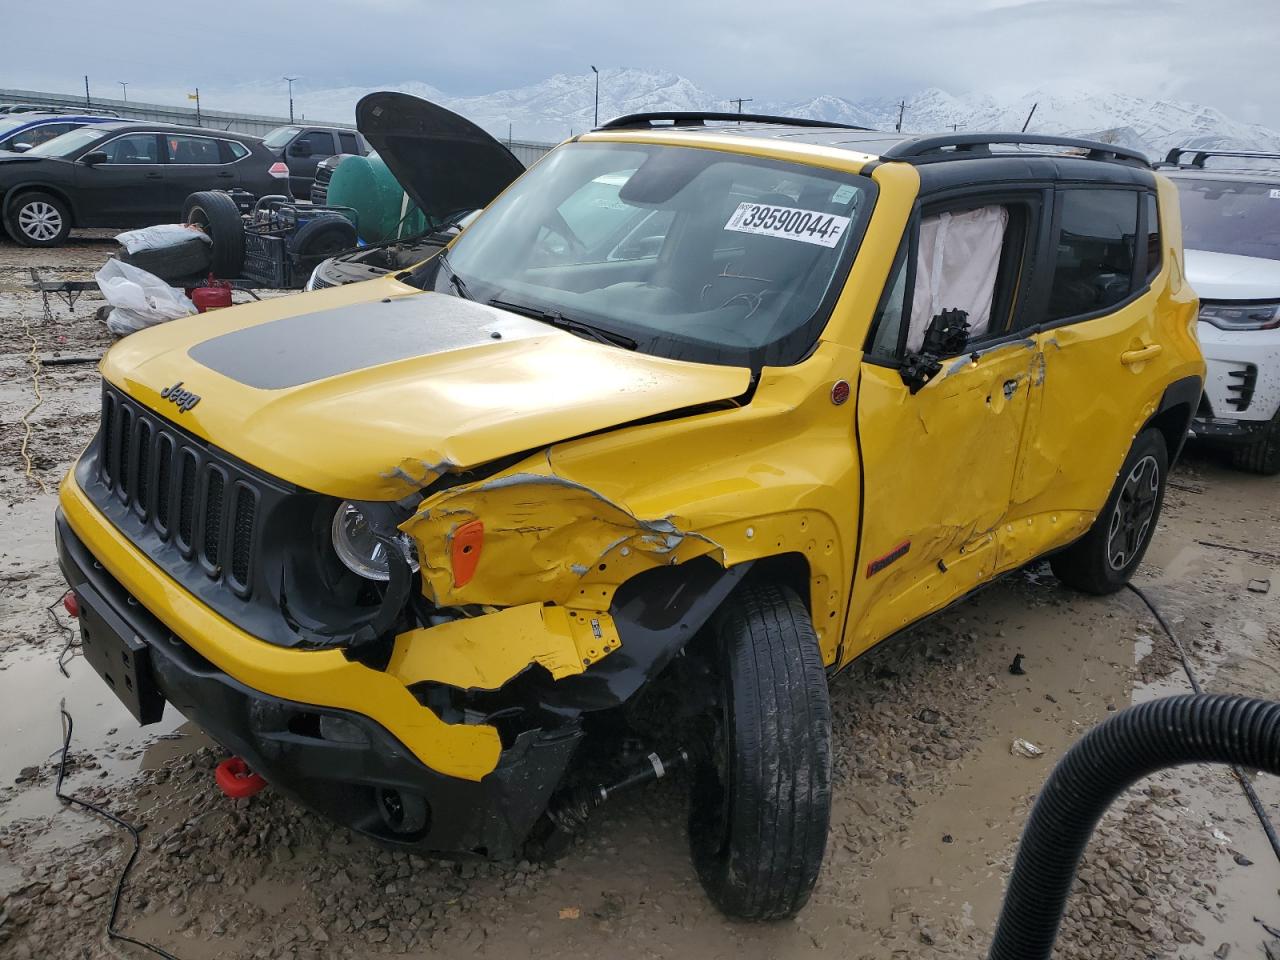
{"points": [[132, 148], [320, 142], [192, 150], [348, 142], [237, 149], [1094, 265], [1155, 246], [957, 260]]}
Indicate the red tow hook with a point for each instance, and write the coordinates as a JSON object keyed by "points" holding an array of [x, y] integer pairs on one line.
{"points": [[71, 604], [236, 780]]}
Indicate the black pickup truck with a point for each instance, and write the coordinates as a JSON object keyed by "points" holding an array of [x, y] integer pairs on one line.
{"points": [[301, 147]]}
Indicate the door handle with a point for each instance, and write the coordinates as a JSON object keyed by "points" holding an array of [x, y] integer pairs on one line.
{"points": [[1010, 388], [153, 175], [1150, 352], [226, 173]]}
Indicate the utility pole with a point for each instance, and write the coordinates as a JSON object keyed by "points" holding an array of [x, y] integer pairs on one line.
{"points": [[1027, 123], [196, 97], [902, 109], [508, 135], [87, 102], [124, 89], [289, 80], [956, 126], [596, 123], [740, 101]]}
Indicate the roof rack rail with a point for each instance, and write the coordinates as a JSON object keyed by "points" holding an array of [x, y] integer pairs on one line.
{"points": [[1200, 154], [699, 118], [932, 147]]}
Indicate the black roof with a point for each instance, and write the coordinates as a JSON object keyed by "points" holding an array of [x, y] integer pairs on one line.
{"points": [[127, 126], [912, 148]]}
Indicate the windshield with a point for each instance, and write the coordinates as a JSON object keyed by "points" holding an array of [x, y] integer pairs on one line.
{"points": [[1230, 216], [696, 254], [66, 144], [280, 136]]}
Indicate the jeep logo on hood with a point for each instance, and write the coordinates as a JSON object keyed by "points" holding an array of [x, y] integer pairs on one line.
{"points": [[184, 400]]}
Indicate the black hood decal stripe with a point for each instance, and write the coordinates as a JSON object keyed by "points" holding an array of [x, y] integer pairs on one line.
{"points": [[307, 347]]}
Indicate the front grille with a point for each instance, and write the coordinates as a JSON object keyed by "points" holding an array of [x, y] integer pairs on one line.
{"points": [[1241, 383], [243, 543], [157, 470]]}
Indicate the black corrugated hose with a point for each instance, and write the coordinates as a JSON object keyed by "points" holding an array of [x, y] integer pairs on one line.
{"points": [[1191, 728]]}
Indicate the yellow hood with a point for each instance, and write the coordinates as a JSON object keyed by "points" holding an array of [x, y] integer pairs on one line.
{"points": [[370, 391]]}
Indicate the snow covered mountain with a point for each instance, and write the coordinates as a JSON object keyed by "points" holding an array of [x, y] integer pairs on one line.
{"points": [[554, 108]]}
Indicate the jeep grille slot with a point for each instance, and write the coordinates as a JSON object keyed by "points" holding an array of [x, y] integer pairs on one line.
{"points": [[174, 495], [242, 535], [213, 516], [187, 497], [1241, 383]]}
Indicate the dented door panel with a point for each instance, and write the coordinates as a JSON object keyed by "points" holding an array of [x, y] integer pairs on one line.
{"points": [[938, 471]]}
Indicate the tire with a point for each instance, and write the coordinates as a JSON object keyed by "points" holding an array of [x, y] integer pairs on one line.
{"points": [[761, 803], [218, 214], [1103, 560], [37, 220], [181, 261], [1263, 455], [321, 238]]}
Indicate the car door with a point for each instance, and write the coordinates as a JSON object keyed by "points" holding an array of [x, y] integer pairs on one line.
{"points": [[1102, 372], [195, 163], [939, 455], [125, 187], [302, 155]]}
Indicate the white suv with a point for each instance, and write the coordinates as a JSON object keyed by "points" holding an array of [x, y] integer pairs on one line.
{"points": [[1231, 230]]}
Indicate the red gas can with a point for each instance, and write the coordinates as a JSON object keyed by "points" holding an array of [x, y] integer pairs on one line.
{"points": [[211, 295]]}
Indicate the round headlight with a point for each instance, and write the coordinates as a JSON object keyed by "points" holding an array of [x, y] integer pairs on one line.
{"points": [[361, 550]]}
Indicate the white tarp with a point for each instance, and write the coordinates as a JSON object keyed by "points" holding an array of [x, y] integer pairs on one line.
{"points": [[956, 266], [161, 235]]}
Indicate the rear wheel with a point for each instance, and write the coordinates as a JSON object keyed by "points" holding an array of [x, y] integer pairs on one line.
{"points": [[37, 220], [1103, 560], [761, 802], [1263, 455]]}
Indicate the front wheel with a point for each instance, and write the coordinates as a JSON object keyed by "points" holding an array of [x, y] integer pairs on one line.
{"points": [[38, 220], [761, 804], [1263, 455], [1103, 560]]}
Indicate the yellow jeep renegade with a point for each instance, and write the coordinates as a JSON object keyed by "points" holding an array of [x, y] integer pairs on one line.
{"points": [[693, 414]]}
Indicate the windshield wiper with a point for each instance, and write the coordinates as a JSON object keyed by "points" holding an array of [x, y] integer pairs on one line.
{"points": [[558, 319], [458, 283]]}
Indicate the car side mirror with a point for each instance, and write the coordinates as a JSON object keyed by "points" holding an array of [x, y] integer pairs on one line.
{"points": [[302, 149], [946, 336], [20, 147], [94, 158]]}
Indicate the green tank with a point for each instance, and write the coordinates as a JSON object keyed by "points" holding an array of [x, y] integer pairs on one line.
{"points": [[386, 211]]}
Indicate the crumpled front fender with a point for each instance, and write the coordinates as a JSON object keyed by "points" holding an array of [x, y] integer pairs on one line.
{"points": [[545, 539]]}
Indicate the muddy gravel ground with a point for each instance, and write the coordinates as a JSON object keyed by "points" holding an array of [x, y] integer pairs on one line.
{"points": [[929, 798]]}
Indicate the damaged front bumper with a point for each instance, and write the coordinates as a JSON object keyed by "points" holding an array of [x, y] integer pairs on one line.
{"points": [[342, 762]]}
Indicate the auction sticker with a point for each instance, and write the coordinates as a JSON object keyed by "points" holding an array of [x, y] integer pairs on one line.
{"points": [[789, 223]]}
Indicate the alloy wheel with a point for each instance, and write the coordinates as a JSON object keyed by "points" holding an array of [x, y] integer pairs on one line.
{"points": [[40, 220], [1131, 518]]}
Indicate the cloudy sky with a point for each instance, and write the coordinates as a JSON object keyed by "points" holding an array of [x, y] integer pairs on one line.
{"points": [[1220, 53]]}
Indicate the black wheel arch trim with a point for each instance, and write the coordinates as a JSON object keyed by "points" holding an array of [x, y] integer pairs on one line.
{"points": [[1183, 394]]}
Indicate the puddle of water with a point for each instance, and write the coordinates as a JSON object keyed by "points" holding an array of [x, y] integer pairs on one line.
{"points": [[30, 691]]}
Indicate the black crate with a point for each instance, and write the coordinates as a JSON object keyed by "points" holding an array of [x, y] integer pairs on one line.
{"points": [[266, 260]]}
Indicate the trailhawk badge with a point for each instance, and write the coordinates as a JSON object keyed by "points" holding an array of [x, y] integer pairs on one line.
{"points": [[184, 400]]}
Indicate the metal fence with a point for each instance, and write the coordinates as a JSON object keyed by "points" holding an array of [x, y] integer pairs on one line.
{"points": [[526, 151]]}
